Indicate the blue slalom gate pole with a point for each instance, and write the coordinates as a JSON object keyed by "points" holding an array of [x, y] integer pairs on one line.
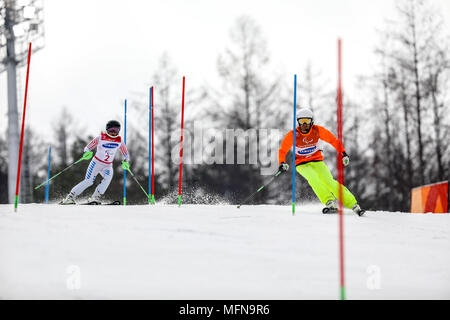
{"points": [[47, 186], [125, 171], [293, 144], [150, 143]]}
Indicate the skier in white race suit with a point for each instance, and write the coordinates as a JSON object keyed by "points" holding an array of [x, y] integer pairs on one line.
{"points": [[107, 143]]}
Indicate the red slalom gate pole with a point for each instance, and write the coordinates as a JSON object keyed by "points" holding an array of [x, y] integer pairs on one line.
{"points": [[340, 168], [181, 147], [153, 154], [21, 134]]}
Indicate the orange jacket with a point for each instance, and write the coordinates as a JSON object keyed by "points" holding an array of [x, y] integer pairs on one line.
{"points": [[306, 145]]}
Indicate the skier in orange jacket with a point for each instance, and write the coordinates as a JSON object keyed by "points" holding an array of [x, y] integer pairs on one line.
{"points": [[309, 162]]}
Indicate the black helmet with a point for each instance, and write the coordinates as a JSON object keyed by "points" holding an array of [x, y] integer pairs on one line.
{"points": [[112, 123], [113, 126]]}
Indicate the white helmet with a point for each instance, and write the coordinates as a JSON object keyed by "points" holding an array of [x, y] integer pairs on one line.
{"points": [[305, 113]]}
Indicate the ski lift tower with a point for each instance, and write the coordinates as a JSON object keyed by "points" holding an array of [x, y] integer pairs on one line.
{"points": [[21, 22]]}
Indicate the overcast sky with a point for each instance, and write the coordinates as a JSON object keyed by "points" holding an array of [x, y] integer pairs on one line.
{"points": [[99, 52]]}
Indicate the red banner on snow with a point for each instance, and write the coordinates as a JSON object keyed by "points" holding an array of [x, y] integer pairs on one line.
{"points": [[430, 198]]}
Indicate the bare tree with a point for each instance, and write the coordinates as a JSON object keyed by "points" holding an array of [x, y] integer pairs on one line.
{"points": [[249, 99], [61, 126], [34, 164], [409, 95], [166, 114], [437, 80], [26, 185], [415, 30], [400, 86]]}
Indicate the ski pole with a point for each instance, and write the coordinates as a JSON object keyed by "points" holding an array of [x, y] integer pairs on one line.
{"points": [[148, 196], [260, 188], [48, 180]]}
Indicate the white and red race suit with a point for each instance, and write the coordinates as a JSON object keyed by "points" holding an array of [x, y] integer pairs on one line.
{"points": [[101, 162], [107, 148]]}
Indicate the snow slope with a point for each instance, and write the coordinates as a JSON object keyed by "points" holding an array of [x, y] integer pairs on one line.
{"points": [[219, 252]]}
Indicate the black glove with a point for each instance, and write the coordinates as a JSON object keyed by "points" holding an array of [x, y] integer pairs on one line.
{"points": [[283, 167]]}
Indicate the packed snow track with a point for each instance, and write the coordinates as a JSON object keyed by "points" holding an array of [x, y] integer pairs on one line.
{"points": [[219, 252]]}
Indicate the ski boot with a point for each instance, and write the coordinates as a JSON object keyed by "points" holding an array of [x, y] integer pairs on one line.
{"points": [[357, 209], [69, 199], [95, 197], [330, 207]]}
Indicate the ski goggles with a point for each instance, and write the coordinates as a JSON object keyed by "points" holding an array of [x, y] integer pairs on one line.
{"points": [[304, 120], [114, 129]]}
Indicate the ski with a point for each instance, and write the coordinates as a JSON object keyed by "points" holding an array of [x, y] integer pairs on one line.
{"points": [[92, 203], [327, 210], [97, 203], [66, 204]]}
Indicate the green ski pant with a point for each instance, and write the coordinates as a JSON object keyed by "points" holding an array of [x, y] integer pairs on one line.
{"points": [[323, 184]]}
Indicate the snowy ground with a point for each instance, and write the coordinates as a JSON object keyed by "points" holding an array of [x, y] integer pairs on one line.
{"points": [[219, 252]]}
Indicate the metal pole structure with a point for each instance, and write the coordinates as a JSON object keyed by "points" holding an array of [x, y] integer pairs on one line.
{"points": [[22, 23], [340, 167], [16, 200], [47, 187], [125, 171], [13, 116], [293, 144], [181, 148]]}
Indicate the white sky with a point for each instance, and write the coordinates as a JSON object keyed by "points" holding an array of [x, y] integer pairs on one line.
{"points": [[99, 52]]}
